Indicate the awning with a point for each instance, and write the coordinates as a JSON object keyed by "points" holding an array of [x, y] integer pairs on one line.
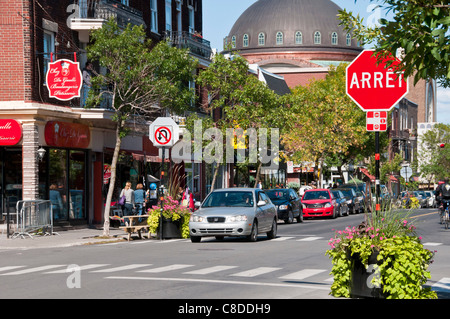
{"points": [[366, 172]]}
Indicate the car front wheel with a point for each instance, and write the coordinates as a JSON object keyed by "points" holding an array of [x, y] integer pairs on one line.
{"points": [[254, 233]]}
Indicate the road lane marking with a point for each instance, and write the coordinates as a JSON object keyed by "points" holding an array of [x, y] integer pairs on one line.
{"points": [[10, 268], [282, 238], [230, 282], [312, 238], [302, 274], [442, 285], [255, 272], [127, 267], [30, 270], [432, 244], [209, 270], [166, 268], [85, 267]]}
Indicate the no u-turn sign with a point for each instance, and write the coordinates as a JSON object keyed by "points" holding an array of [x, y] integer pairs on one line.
{"points": [[164, 132]]}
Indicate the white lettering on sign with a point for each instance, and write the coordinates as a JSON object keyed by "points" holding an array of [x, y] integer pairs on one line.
{"points": [[365, 80]]}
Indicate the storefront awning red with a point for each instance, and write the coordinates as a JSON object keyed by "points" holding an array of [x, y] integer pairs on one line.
{"points": [[366, 172]]}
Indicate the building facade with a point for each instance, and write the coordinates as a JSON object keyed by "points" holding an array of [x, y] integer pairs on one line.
{"points": [[60, 146]]}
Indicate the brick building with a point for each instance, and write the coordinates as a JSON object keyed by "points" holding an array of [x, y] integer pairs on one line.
{"points": [[78, 142]]}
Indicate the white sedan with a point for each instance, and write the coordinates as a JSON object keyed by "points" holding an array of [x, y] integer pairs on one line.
{"points": [[234, 212]]}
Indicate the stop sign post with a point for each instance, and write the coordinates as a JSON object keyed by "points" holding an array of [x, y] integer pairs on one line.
{"points": [[375, 85]]}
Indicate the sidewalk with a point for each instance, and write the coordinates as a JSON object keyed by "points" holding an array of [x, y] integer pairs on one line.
{"points": [[68, 238]]}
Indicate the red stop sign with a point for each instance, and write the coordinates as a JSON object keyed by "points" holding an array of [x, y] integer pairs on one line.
{"points": [[372, 86]]}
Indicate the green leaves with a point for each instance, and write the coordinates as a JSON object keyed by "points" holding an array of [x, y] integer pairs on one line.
{"points": [[420, 28]]}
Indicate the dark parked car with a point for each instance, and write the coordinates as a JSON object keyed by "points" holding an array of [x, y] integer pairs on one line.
{"points": [[353, 202], [288, 204], [342, 202]]}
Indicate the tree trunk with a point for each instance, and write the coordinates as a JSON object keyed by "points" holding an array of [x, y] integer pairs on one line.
{"points": [[216, 171], [257, 175], [112, 181]]}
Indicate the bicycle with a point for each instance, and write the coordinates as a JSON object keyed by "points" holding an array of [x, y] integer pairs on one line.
{"points": [[445, 219]]}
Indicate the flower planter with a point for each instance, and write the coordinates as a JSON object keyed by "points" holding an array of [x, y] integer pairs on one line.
{"points": [[361, 285], [170, 229]]}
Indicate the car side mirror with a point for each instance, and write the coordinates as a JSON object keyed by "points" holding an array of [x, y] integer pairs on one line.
{"points": [[198, 204], [261, 203]]}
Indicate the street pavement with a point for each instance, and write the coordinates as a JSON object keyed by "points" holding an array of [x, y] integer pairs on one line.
{"points": [[68, 238]]}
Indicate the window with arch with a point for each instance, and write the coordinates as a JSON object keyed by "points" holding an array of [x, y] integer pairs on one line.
{"points": [[317, 37], [245, 40], [334, 38], [279, 37], [298, 37], [261, 39], [349, 39], [233, 42]]}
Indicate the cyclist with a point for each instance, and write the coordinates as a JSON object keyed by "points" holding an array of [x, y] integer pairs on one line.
{"points": [[443, 195]]}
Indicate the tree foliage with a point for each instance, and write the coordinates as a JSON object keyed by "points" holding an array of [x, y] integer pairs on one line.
{"points": [[141, 79], [420, 28], [434, 161], [324, 122]]}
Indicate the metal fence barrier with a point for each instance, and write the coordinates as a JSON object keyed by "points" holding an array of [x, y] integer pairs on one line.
{"points": [[34, 217]]}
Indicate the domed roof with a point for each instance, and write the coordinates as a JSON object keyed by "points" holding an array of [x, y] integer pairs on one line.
{"points": [[300, 25]]}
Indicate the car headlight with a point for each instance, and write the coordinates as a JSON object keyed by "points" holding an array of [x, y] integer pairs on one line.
{"points": [[303, 206], [283, 207], [196, 218], [237, 218], [327, 205]]}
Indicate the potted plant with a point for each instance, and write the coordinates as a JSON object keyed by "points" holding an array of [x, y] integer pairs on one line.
{"points": [[175, 219], [381, 258]]}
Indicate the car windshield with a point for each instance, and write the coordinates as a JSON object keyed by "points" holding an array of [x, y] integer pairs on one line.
{"points": [[347, 192], [336, 194], [316, 195], [278, 194], [229, 199]]}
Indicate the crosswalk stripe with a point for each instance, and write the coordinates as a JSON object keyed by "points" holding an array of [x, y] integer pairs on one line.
{"points": [[121, 268], [302, 274], [442, 285], [166, 268], [209, 270], [312, 238], [30, 270], [282, 238], [432, 244], [85, 267], [255, 272], [10, 268]]}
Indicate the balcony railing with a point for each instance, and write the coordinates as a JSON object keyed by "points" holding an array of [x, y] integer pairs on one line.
{"points": [[185, 40], [106, 9]]}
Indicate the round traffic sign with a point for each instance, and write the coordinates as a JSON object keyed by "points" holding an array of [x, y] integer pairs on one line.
{"points": [[163, 135], [374, 86]]}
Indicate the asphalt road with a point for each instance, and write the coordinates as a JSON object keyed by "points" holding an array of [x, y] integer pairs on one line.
{"points": [[292, 266]]}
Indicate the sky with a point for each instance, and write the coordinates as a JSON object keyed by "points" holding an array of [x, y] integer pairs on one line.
{"points": [[219, 17]]}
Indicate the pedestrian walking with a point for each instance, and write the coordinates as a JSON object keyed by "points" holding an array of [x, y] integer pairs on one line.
{"points": [[129, 199], [139, 198]]}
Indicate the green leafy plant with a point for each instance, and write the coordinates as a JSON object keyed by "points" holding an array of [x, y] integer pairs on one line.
{"points": [[402, 269], [171, 210]]}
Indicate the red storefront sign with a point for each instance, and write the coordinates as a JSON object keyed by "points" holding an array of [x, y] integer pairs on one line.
{"points": [[68, 135], [64, 79], [10, 132]]}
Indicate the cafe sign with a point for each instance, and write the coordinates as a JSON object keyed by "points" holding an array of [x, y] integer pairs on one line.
{"points": [[68, 135], [64, 79], [10, 132]]}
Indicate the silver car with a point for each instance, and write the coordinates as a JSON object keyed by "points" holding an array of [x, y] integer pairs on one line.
{"points": [[234, 212]]}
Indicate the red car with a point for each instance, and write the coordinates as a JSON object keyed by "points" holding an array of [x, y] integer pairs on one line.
{"points": [[319, 203]]}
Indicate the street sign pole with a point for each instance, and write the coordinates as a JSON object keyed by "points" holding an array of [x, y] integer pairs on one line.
{"points": [[161, 195], [377, 172]]}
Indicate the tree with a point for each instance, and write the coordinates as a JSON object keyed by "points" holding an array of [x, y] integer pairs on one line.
{"points": [[434, 160], [244, 101], [142, 79], [324, 122], [419, 28]]}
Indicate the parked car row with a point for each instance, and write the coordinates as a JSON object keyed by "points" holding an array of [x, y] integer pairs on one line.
{"points": [[426, 198], [247, 212]]}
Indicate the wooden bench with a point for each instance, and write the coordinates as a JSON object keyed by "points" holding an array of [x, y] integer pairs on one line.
{"points": [[134, 226]]}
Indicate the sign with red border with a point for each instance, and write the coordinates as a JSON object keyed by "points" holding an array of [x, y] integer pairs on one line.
{"points": [[376, 121], [68, 135], [64, 79], [10, 132]]}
